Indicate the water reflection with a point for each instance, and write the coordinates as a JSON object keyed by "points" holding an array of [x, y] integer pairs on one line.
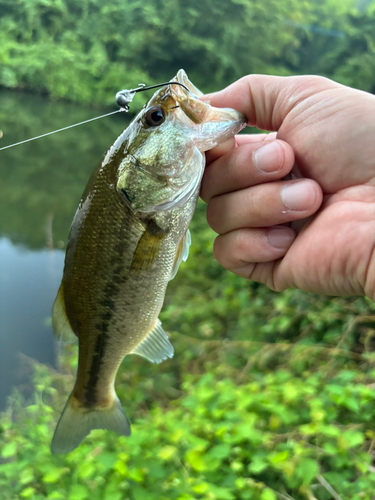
{"points": [[28, 284], [40, 186], [44, 179]]}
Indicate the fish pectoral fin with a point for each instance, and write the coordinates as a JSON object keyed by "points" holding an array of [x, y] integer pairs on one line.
{"points": [[148, 246], [182, 253], [76, 423], [155, 346], [60, 321]]}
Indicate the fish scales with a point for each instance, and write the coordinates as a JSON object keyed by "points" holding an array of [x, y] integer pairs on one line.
{"points": [[127, 239], [115, 305]]}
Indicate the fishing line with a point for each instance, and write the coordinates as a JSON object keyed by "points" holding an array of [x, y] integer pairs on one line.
{"points": [[61, 129], [123, 99]]}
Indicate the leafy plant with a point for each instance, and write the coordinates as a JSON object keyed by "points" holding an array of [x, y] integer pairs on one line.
{"points": [[225, 437], [88, 51]]}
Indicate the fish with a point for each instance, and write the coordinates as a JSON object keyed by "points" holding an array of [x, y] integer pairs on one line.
{"points": [[126, 242]]}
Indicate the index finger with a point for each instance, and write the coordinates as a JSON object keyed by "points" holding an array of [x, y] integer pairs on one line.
{"points": [[267, 100], [223, 148]]}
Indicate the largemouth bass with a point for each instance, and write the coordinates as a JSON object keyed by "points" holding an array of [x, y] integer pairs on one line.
{"points": [[127, 239]]}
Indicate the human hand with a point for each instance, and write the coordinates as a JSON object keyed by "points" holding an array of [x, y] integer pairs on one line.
{"points": [[325, 138]]}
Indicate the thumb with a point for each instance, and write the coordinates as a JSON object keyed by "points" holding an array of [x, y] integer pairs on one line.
{"points": [[267, 100]]}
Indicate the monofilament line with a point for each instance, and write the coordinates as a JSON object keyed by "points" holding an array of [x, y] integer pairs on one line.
{"points": [[61, 129]]}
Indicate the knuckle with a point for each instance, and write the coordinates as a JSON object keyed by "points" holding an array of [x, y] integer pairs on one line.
{"points": [[232, 249], [240, 246], [204, 191], [213, 215], [254, 203], [218, 250], [225, 251]]}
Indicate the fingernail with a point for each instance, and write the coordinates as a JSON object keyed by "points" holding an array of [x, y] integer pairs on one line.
{"points": [[268, 158], [281, 237], [298, 196]]}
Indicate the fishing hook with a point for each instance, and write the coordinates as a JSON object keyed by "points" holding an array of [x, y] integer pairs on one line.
{"points": [[125, 97]]}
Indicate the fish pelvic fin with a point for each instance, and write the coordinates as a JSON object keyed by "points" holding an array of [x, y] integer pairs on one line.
{"points": [[76, 423], [182, 253], [60, 322], [155, 346]]}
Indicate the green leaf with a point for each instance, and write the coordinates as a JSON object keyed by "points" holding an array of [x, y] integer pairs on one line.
{"points": [[121, 468], [114, 495], [87, 470], [220, 451], [136, 474], [27, 476], [54, 474], [9, 449], [276, 458], [56, 495], [257, 465], [78, 492], [167, 452], [350, 439], [107, 460], [307, 470], [268, 494], [27, 492], [219, 493]]}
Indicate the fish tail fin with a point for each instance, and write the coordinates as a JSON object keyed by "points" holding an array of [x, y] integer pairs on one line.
{"points": [[76, 423]]}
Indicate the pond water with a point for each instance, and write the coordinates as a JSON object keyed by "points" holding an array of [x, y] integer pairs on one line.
{"points": [[40, 186]]}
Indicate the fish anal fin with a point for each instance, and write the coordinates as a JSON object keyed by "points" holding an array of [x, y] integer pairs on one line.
{"points": [[76, 423], [148, 247], [60, 322], [155, 346], [182, 253]]}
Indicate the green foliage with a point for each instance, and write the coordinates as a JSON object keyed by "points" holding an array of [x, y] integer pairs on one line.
{"points": [[89, 50], [224, 438], [353, 60]]}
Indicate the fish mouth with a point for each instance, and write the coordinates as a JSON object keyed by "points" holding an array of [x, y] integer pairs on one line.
{"points": [[181, 77], [200, 113]]}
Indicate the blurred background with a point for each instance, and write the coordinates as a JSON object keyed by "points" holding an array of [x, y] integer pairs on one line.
{"points": [[269, 396]]}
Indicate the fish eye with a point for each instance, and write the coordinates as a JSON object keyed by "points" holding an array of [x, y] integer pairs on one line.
{"points": [[155, 116]]}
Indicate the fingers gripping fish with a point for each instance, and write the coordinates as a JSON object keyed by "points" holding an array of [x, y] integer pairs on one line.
{"points": [[127, 239]]}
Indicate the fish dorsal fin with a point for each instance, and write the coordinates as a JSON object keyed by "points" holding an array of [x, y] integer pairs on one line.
{"points": [[148, 246], [182, 253], [155, 346], [60, 321]]}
